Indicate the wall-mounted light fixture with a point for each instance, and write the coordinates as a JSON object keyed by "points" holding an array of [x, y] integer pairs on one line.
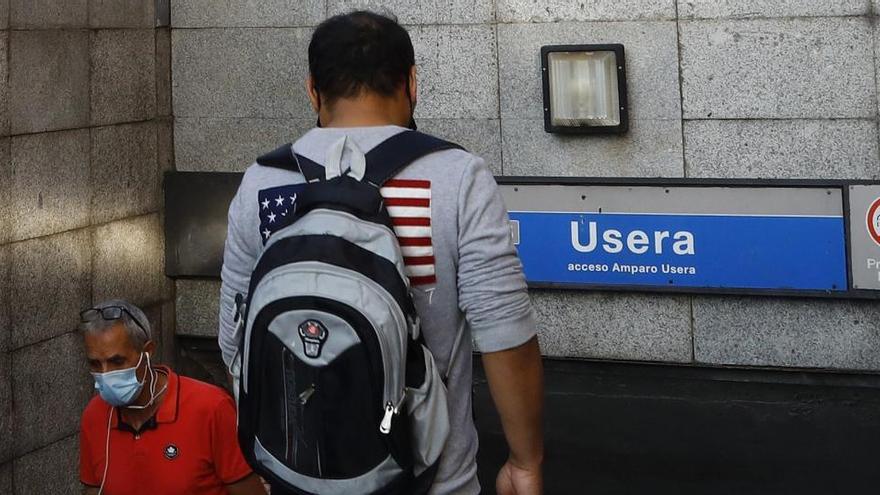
{"points": [[584, 89]]}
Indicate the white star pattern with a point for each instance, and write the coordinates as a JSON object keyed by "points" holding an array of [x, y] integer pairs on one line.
{"points": [[274, 210]]}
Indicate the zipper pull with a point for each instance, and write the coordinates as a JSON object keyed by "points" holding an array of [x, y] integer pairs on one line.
{"points": [[306, 394], [385, 425], [390, 410]]}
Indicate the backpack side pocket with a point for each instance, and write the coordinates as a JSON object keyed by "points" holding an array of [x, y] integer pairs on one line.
{"points": [[429, 414]]}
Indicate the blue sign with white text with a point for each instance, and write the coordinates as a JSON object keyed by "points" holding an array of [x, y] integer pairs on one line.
{"points": [[707, 251]]}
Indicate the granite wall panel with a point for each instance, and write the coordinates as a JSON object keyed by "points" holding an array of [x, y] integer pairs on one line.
{"points": [[780, 68], [216, 73], [48, 376], [49, 186], [124, 175], [51, 280], [782, 149], [48, 80], [263, 13], [787, 333], [129, 261], [123, 75]]}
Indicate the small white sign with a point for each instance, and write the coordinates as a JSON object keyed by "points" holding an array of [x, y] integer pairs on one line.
{"points": [[864, 207]]}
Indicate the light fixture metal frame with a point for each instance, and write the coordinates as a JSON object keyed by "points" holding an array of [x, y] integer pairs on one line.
{"points": [[620, 57]]}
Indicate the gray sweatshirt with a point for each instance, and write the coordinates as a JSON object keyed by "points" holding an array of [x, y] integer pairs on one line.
{"points": [[466, 277]]}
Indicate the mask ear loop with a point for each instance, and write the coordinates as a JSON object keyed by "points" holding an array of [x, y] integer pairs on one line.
{"points": [[412, 107], [106, 451], [154, 375], [318, 94]]}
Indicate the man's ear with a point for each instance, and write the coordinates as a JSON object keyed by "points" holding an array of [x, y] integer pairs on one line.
{"points": [[413, 86], [150, 347], [314, 98]]}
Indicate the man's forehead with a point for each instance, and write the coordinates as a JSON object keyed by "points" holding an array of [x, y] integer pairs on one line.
{"points": [[112, 340]]}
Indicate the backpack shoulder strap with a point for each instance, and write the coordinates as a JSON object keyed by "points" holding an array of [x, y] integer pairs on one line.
{"points": [[391, 156], [310, 170], [284, 158], [281, 157]]}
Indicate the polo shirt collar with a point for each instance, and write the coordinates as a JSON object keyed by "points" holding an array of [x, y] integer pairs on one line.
{"points": [[167, 412]]}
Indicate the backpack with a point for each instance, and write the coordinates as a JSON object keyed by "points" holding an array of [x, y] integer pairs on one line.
{"points": [[337, 392]]}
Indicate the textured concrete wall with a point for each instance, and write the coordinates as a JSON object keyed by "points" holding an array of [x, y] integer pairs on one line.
{"points": [[732, 88], [85, 133]]}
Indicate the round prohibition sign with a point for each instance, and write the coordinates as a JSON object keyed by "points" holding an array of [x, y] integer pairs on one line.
{"points": [[873, 220]]}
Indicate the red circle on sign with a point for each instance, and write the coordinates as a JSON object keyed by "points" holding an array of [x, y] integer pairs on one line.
{"points": [[873, 220]]}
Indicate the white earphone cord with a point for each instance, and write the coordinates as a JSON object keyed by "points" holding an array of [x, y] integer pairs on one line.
{"points": [[154, 375], [106, 451], [110, 422]]}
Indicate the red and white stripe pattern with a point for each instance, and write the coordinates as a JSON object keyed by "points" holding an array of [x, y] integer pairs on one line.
{"points": [[409, 205]]}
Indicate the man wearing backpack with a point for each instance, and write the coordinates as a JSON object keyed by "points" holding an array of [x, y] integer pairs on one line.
{"points": [[465, 279]]}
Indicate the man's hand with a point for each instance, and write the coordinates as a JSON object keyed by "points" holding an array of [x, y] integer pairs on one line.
{"points": [[513, 480]]}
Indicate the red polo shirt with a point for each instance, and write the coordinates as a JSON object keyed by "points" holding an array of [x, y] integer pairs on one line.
{"points": [[189, 447]]}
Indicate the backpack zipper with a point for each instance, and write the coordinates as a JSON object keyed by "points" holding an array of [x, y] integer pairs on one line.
{"points": [[287, 432], [390, 411], [385, 425]]}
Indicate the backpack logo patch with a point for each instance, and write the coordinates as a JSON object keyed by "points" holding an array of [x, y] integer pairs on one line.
{"points": [[313, 334]]}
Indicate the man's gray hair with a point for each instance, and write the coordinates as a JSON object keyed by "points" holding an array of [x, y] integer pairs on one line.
{"points": [[138, 336]]}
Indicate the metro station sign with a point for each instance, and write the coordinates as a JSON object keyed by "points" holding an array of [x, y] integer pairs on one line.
{"points": [[755, 237], [724, 236]]}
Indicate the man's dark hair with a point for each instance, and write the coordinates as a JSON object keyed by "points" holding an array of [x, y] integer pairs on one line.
{"points": [[359, 51]]}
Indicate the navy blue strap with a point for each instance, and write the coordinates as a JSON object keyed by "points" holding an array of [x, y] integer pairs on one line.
{"points": [[383, 162], [283, 158], [310, 170], [393, 155]]}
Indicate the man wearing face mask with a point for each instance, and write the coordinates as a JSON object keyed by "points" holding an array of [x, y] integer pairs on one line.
{"points": [[150, 431]]}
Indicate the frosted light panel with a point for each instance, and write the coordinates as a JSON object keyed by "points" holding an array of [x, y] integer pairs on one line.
{"points": [[583, 89]]}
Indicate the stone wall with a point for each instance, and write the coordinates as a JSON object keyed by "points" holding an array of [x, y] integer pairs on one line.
{"points": [[85, 133], [734, 89]]}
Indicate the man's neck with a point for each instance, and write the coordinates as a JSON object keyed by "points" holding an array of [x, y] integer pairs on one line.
{"points": [[137, 417], [366, 111]]}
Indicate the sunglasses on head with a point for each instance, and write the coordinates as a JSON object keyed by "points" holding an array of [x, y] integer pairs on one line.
{"points": [[108, 313]]}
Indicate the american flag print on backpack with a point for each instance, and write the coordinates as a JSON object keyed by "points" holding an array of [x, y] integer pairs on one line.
{"points": [[409, 205]]}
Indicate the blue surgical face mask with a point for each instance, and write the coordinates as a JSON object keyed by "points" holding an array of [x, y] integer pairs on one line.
{"points": [[121, 387]]}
